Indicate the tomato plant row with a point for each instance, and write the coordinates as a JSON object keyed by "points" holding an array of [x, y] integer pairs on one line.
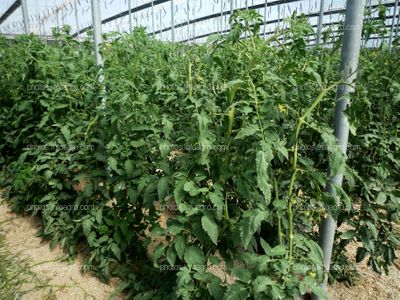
{"points": [[212, 158]]}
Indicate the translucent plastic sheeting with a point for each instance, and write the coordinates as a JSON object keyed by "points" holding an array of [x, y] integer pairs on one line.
{"points": [[186, 20]]}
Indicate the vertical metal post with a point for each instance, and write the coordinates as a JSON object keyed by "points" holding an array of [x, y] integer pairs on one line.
{"points": [[397, 26], [222, 17], [160, 26], [172, 21], [44, 28], [232, 8], [265, 19], [130, 15], [247, 8], [62, 17], [76, 18], [392, 28], [348, 68], [58, 18], [153, 24], [279, 15], [98, 39], [194, 23], [320, 21], [25, 16], [187, 20]]}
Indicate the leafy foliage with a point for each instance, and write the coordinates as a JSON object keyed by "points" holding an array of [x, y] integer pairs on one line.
{"points": [[233, 135]]}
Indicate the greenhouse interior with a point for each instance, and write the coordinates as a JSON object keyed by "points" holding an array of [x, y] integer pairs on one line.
{"points": [[199, 149]]}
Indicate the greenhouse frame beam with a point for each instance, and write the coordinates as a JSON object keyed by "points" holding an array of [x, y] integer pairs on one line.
{"points": [[348, 70], [123, 14], [13, 7], [274, 21], [224, 13], [211, 16], [158, 2], [216, 15]]}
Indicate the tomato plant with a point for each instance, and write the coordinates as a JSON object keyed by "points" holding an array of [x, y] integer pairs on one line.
{"points": [[232, 136]]}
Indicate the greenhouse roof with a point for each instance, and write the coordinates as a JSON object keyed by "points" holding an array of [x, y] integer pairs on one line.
{"points": [[178, 20]]}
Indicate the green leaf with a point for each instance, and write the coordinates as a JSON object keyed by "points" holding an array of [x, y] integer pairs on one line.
{"points": [[180, 245], [210, 227], [66, 133], [237, 291], [266, 247], [113, 164], [99, 215], [319, 292], [381, 199], [262, 164], [171, 256], [194, 256], [191, 188], [262, 284], [361, 254], [116, 251], [205, 138], [162, 188], [348, 235], [130, 168], [278, 251], [375, 265], [168, 126], [250, 224], [218, 201], [247, 131], [242, 274], [138, 143], [336, 157], [215, 289], [87, 226]]}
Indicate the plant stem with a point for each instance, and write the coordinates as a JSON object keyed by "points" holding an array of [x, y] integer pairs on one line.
{"points": [[279, 218], [295, 159]]}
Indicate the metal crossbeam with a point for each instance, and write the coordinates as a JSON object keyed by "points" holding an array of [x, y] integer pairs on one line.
{"points": [[10, 10]]}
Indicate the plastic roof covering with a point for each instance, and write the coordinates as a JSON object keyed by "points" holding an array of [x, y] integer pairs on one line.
{"points": [[194, 20]]}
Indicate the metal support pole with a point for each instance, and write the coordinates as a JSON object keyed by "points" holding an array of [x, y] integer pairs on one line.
{"points": [[247, 8], [25, 16], [130, 15], [222, 17], [153, 24], [194, 23], [160, 26], [320, 21], [172, 21], [232, 9], [265, 18], [76, 18], [279, 15], [348, 68], [392, 28], [397, 26], [44, 28], [187, 20], [58, 18], [62, 18], [98, 39]]}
